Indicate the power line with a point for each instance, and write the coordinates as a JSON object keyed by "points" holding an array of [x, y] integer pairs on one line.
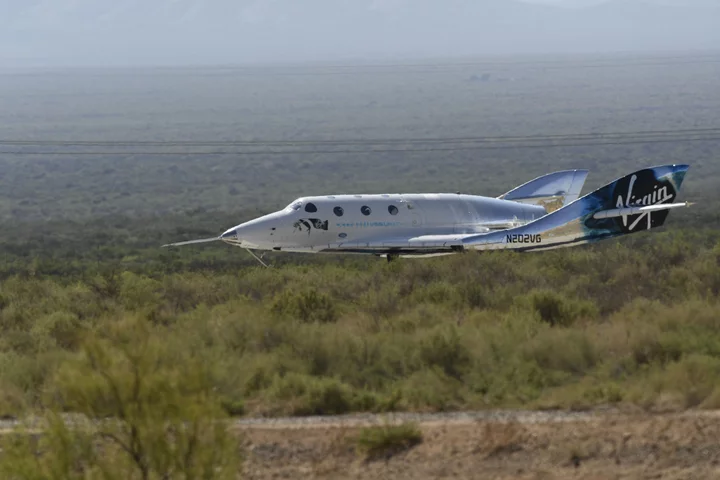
{"points": [[372, 151], [645, 134]]}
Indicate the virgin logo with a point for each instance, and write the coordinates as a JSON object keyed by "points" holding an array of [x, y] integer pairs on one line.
{"points": [[660, 194]]}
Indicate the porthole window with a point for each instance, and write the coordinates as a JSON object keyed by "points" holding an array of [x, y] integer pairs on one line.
{"points": [[393, 210], [310, 208], [365, 210], [338, 211]]}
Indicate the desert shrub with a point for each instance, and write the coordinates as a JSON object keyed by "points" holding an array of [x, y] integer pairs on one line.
{"points": [[436, 292], [182, 292], [648, 345], [712, 401], [558, 310], [370, 361], [61, 329], [474, 294], [381, 302], [299, 394], [432, 389], [383, 442], [586, 394], [28, 374], [687, 383], [307, 306], [657, 333], [564, 350], [695, 377], [13, 402], [138, 292], [416, 318], [603, 393], [233, 407], [513, 383], [163, 409], [443, 349]]}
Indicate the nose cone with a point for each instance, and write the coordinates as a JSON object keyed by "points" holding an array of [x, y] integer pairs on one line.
{"points": [[230, 235], [256, 233]]}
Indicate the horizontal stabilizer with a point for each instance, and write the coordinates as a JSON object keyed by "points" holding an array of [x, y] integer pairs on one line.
{"points": [[623, 212], [190, 242]]}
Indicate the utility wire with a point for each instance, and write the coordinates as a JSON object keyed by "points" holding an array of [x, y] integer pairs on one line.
{"points": [[368, 151], [634, 135]]}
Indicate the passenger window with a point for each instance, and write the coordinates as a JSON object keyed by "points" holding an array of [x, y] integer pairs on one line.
{"points": [[393, 210], [338, 211], [366, 210], [310, 208]]}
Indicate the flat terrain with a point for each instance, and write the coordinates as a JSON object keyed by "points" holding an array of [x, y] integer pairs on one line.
{"points": [[597, 446]]}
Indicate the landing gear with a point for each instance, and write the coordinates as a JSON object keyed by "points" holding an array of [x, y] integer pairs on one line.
{"points": [[392, 256], [259, 259]]}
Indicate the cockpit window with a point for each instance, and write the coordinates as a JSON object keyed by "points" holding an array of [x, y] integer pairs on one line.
{"points": [[294, 206], [310, 208]]}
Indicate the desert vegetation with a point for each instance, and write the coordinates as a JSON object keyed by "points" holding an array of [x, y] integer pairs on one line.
{"points": [[138, 411], [633, 321], [382, 442]]}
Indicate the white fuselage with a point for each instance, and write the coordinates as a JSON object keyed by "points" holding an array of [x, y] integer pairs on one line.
{"points": [[342, 222]]}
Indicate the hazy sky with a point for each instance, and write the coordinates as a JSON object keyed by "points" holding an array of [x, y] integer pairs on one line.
{"points": [[127, 32]]}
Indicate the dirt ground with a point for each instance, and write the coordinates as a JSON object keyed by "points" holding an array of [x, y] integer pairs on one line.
{"points": [[603, 446]]}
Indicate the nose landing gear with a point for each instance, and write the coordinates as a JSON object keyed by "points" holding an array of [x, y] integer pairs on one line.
{"points": [[259, 259]]}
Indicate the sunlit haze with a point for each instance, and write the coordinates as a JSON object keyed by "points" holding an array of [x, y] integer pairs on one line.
{"points": [[127, 32]]}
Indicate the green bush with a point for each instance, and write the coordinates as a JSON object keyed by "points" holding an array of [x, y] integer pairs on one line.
{"points": [[557, 310], [432, 389], [233, 407], [165, 420], [385, 441], [443, 349], [690, 381], [298, 394], [307, 306]]}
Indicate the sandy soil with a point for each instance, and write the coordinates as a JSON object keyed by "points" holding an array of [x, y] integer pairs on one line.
{"points": [[592, 447]]}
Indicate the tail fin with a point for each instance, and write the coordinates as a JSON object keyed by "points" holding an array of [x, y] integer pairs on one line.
{"points": [[636, 202], [551, 191]]}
